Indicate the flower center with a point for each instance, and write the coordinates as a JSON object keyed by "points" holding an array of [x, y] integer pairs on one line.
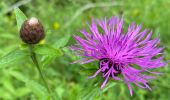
{"points": [[105, 64]]}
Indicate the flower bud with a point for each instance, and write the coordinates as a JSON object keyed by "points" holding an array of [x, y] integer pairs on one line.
{"points": [[32, 31]]}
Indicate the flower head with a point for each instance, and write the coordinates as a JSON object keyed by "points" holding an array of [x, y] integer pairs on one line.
{"points": [[32, 31], [120, 52]]}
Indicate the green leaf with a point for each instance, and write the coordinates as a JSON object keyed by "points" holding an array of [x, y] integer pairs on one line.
{"points": [[47, 50], [39, 90], [31, 86], [13, 57], [59, 91], [86, 72], [19, 76], [7, 36], [90, 94], [62, 41], [108, 87], [68, 52], [20, 17], [22, 91], [46, 60], [7, 84]]}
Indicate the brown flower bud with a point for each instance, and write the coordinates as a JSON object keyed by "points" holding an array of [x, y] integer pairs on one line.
{"points": [[32, 31]]}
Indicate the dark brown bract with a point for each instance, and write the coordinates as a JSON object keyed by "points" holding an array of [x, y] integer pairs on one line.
{"points": [[107, 62], [32, 31]]}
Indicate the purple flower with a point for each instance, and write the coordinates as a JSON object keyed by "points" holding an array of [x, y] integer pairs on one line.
{"points": [[126, 56]]}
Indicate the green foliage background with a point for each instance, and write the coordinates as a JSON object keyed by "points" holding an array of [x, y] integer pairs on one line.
{"points": [[20, 80]]}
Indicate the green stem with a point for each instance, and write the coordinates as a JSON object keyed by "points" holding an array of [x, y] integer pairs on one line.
{"points": [[35, 61]]}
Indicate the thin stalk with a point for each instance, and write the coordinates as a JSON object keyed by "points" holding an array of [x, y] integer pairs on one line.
{"points": [[35, 61]]}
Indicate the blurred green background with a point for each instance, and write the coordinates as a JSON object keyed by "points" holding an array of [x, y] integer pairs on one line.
{"points": [[62, 18]]}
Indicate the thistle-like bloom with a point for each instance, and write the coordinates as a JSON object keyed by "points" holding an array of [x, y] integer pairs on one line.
{"points": [[119, 53]]}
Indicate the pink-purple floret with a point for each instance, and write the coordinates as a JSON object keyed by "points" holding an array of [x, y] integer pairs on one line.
{"points": [[118, 52]]}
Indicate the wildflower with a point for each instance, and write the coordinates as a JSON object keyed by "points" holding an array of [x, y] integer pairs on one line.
{"points": [[119, 53], [32, 31]]}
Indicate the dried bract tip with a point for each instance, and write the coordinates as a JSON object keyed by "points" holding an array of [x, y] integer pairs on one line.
{"points": [[32, 31], [33, 21]]}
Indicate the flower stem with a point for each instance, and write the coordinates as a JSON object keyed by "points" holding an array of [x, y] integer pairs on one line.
{"points": [[35, 61]]}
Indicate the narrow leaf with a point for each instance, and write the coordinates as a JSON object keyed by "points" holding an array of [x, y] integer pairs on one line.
{"points": [[20, 17], [108, 87], [39, 90], [19, 76], [47, 50], [62, 42], [13, 57], [22, 91], [46, 60]]}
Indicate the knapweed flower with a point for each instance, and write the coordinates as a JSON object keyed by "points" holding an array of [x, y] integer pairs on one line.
{"points": [[119, 53]]}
